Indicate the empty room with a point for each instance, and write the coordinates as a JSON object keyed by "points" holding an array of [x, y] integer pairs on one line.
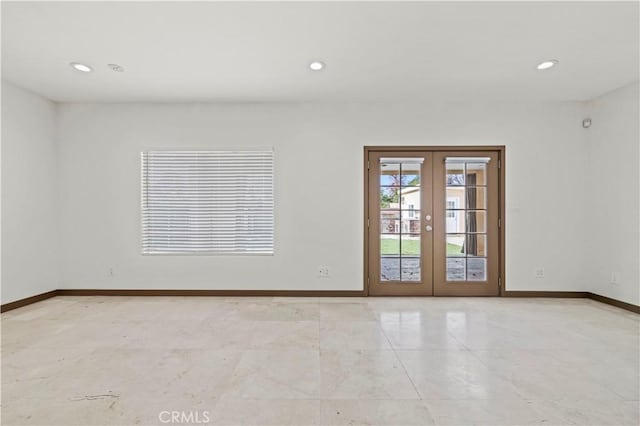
{"points": [[320, 213]]}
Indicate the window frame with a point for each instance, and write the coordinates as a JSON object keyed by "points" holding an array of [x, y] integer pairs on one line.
{"points": [[141, 192]]}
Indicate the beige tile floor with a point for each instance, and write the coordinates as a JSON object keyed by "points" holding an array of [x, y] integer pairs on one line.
{"points": [[303, 361]]}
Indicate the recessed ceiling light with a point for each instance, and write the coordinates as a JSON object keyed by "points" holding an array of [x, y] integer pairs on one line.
{"points": [[116, 67], [81, 67], [316, 65], [547, 64]]}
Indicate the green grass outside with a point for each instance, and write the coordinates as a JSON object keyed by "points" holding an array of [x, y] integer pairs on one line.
{"points": [[390, 246], [453, 250]]}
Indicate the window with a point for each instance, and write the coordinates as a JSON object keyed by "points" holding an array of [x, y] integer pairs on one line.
{"points": [[207, 202], [412, 211], [451, 204]]}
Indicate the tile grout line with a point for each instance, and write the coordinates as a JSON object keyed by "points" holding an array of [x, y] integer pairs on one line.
{"points": [[404, 368], [415, 388]]}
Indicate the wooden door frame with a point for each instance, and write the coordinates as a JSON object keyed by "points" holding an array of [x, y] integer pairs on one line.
{"points": [[425, 286], [441, 284], [500, 149]]}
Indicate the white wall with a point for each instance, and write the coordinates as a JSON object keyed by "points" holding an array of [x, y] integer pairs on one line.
{"points": [[613, 198], [30, 263], [319, 193]]}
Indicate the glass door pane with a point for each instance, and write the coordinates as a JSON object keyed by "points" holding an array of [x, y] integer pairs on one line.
{"points": [[400, 219], [466, 231]]}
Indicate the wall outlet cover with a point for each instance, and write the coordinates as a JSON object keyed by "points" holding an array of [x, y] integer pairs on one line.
{"points": [[323, 271], [615, 277]]}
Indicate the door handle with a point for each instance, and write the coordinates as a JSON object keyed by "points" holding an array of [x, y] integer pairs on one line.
{"points": [[427, 217], [429, 228]]}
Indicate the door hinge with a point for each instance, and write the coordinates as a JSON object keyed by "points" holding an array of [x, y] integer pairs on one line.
{"points": [[499, 223], [367, 223], [499, 282], [368, 280], [498, 163], [368, 165]]}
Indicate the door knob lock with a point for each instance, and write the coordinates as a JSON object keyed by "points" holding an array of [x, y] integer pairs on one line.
{"points": [[428, 217]]}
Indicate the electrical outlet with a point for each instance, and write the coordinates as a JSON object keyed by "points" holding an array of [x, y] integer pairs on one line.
{"points": [[110, 272], [539, 273], [323, 271], [615, 277]]}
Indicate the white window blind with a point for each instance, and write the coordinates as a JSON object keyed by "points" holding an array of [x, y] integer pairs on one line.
{"points": [[207, 202]]}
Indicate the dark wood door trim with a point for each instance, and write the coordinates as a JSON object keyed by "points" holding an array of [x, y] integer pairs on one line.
{"points": [[491, 286], [500, 149], [399, 288], [290, 293], [547, 294], [28, 300], [613, 302], [434, 148], [212, 293]]}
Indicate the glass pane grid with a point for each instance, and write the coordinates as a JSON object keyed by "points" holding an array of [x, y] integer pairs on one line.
{"points": [[466, 239], [400, 229]]}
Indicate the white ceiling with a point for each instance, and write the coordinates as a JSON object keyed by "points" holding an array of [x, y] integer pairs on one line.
{"points": [[384, 51]]}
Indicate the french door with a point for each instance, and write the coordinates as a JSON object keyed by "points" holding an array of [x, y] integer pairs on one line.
{"points": [[433, 222]]}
